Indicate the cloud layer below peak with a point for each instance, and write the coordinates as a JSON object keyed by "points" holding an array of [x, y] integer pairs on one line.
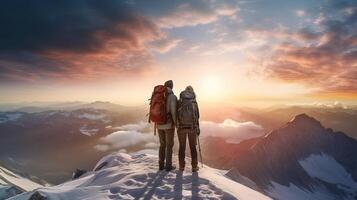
{"points": [[232, 130]]}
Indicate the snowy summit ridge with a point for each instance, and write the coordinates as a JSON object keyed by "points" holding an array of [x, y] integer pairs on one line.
{"points": [[135, 176]]}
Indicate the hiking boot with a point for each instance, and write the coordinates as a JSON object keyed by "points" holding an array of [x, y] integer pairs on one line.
{"points": [[195, 169], [170, 168]]}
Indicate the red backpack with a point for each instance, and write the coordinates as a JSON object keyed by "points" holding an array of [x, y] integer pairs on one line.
{"points": [[157, 112]]}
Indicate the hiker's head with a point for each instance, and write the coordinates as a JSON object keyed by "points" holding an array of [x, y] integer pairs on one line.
{"points": [[190, 89], [169, 84]]}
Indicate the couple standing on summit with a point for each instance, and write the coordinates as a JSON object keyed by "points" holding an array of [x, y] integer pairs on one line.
{"points": [[168, 113]]}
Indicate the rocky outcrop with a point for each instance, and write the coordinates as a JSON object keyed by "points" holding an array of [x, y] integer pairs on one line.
{"points": [[78, 173]]}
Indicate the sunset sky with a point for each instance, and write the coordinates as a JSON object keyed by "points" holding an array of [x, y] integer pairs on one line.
{"points": [[263, 52]]}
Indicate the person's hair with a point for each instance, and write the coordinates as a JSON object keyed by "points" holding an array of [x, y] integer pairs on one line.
{"points": [[190, 89]]}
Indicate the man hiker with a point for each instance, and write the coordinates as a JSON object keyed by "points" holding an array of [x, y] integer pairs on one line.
{"points": [[163, 113], [188, 126]]}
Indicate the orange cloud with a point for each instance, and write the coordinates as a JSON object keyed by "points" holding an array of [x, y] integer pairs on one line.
{"points": [[188, 15], [326, 60]]}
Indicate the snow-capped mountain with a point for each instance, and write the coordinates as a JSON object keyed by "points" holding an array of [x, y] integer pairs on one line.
{"points": [[12, 184], [135, 176], [301, 160], [10, 116]]}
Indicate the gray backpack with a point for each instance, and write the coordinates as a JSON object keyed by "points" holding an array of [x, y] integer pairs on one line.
{"points": [[187, 110]]}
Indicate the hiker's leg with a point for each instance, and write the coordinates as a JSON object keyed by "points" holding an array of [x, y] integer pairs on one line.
{"points": [[162, 149], [169, 144], [182, 146], [192, 141]]}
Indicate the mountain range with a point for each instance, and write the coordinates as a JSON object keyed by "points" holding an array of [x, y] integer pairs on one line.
{"points": [[63, 139], [298, 159], [339, 118]]}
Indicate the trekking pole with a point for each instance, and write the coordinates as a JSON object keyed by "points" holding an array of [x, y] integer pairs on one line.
{"points": [[199, 149]]}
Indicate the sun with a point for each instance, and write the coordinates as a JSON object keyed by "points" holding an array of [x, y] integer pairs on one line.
{"points": [[211, 86]]}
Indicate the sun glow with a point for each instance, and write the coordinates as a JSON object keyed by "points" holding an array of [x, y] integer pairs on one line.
{"points": [[211, 87]]}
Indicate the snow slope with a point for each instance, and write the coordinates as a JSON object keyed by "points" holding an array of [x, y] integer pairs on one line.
{"points": [[326, 168], [12, 184], [136, 176], [9, 178], [321, 167], [292, 192]]}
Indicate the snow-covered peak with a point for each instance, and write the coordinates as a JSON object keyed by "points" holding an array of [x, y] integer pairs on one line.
{"points": [[135, 176], [305, 120], [12, 184], [7, 177], [10, 116]]}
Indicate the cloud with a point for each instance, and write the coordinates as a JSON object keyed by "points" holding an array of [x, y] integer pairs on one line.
{"points": [[195, 13], [192, 48], [300, 13], [128, 136], [125, 139], [140, 126], [90, 40], [233, 131], [82, 39], [43, 26], [306, 34], [164, 45], [140, 135], [102, 147], [336, 104], [325, 59]]}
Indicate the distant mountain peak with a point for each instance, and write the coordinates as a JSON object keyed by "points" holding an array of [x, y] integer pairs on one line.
{"points": [[304, 119], [301, 124], [302, 116], [101, 102]]}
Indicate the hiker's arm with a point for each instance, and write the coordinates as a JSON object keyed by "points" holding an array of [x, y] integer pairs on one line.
{"points": [[198, 111], [173, 106], [198, 131], [198, 120], [197, 114]]}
